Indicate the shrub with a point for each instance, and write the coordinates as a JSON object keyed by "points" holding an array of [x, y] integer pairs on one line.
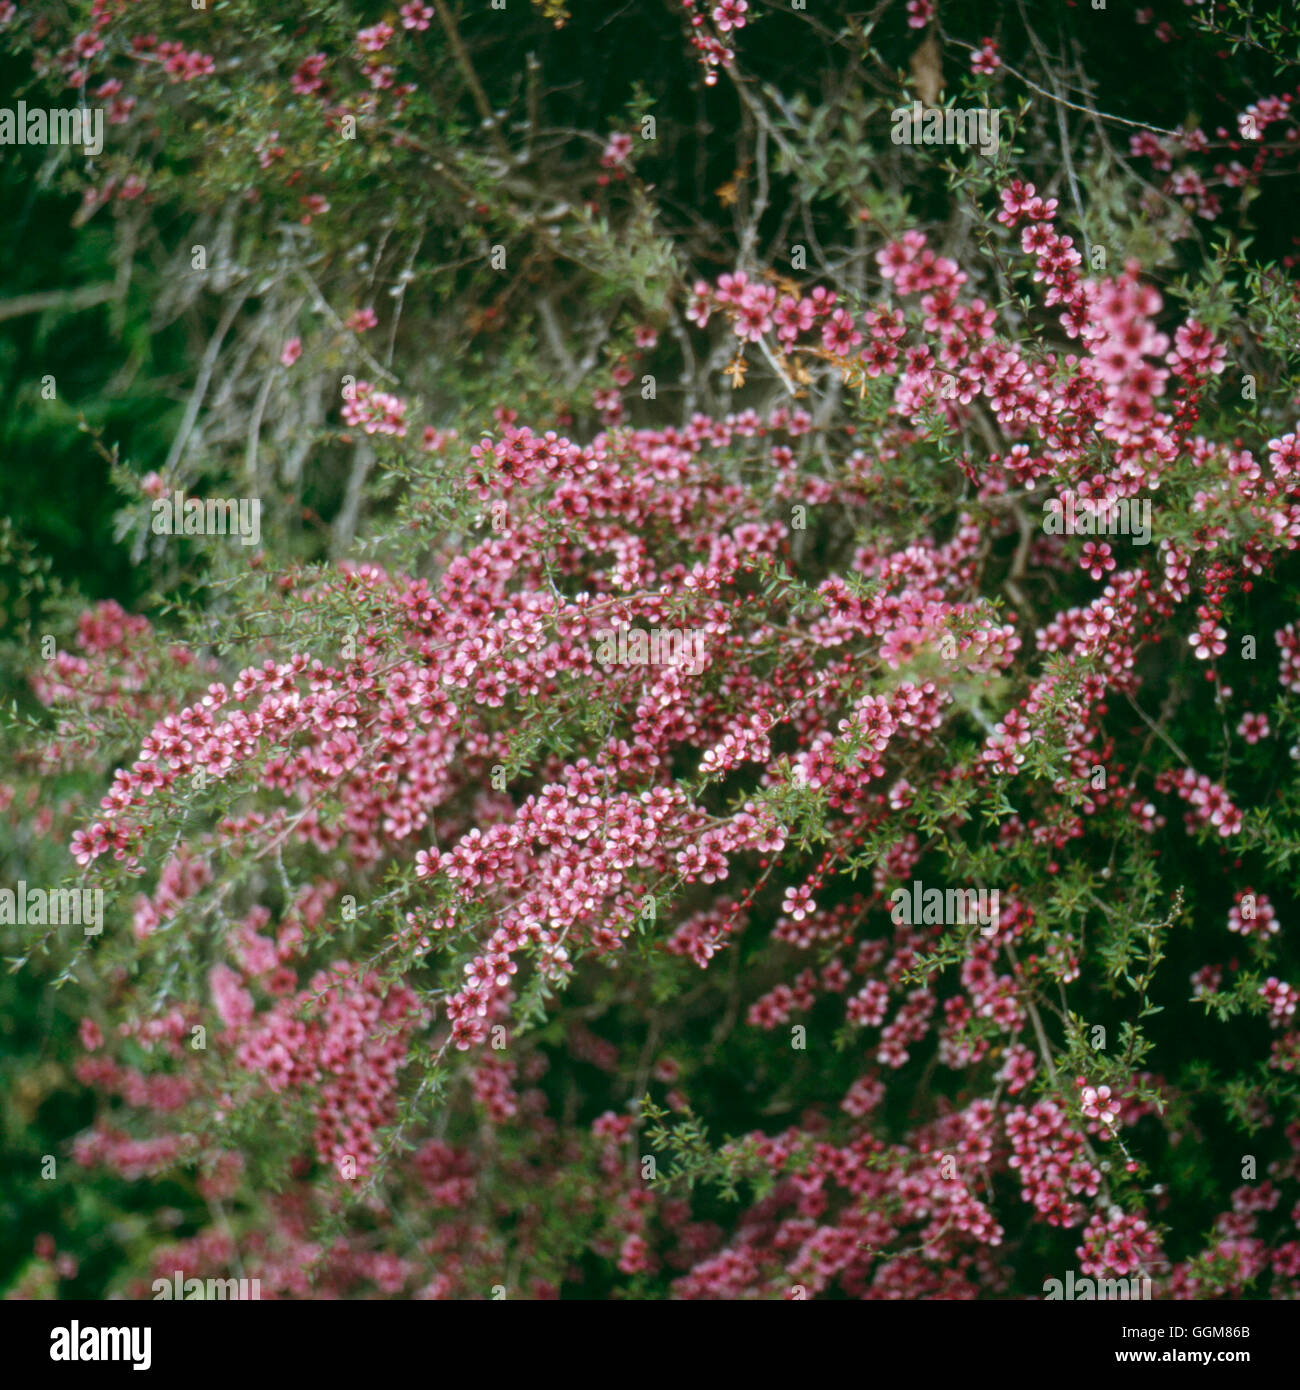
{"points": [[833, 846]]}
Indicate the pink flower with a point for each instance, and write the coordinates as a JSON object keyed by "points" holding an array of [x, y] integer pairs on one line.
{"points": [[1253, 727], [700, 305], [617, 150], [307, 79], [1098, 1104], [375, 39], [316, 206], [1097, 559], [377, 412], [985, 59], [416, 15], [291, 352], [1281, 999], [1208, 640], [1252, 914], [798, 902]]}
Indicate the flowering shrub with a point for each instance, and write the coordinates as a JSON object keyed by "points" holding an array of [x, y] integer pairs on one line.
{"points": [[455, 947]]}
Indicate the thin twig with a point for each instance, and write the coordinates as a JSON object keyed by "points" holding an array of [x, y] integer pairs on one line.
{"points": [[84, 298], [1051, 96], [448, 22], [200, 390], [324, 306]]}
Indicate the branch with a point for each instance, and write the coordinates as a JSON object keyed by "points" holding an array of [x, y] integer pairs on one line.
{"points": [[206, 367], [471, 77], [1051, 96], [318, 298], [84, 298]]}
